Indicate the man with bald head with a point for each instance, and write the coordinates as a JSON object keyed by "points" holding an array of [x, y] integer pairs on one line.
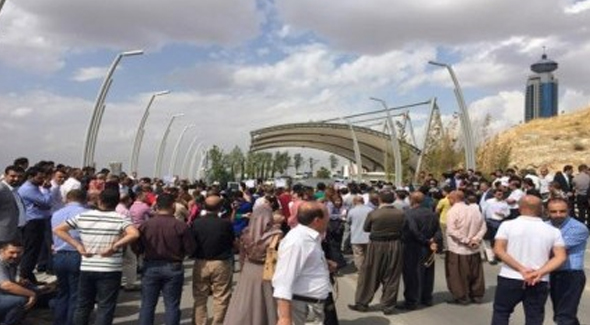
{"points": [[301, 280], [212, 271], [359, 238], [530, 250], [464, 272], [421, 237]]}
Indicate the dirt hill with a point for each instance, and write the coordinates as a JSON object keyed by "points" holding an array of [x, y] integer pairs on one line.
{"points": [[555, 142]]}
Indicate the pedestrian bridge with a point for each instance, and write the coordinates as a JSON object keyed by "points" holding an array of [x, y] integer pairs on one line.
{"points": [[375, 147]]}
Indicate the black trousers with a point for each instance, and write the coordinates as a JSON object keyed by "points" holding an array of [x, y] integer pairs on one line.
{"points": [[418, 279], [330, 315], [33, 236], [565, 291], [493, 226], [510, 292], [582, 204], [334, 238], [45, 261]]}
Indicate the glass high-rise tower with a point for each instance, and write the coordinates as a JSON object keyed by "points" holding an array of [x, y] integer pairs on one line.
{"points": [[541, 90]]}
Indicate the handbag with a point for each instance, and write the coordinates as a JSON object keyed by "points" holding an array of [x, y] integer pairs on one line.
{"points": [[270, 262]]}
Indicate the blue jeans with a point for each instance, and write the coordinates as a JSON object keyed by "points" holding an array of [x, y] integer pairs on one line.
{"points": [[165, 277], [12, 308], [102, 288], [511, 292], [66, 266]]}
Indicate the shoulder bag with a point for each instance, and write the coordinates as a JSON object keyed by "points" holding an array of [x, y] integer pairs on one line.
{"points": [[270, 262]]}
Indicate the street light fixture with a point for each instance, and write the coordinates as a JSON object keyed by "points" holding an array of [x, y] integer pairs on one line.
{"points": [[397, 156], [175, 151], [162, 146], [98, 112], [140, 131], [464, 116]]}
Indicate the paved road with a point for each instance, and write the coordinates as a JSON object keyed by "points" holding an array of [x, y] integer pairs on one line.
{"points": [[440, 313]]}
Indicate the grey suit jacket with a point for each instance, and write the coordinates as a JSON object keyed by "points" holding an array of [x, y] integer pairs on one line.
{"points": [[8, 214]]}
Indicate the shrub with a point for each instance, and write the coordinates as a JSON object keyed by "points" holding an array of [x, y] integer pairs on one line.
{"points": [[579, 147]]}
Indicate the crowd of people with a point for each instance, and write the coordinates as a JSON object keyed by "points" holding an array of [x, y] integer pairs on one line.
{"points": [[100, 233]]}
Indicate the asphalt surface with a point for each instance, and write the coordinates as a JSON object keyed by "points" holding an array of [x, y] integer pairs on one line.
{"points": [[440, 313]]}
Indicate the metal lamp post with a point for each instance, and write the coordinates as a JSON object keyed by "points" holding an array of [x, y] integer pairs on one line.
{"points": [[175, 151], [203, 158], [193, 162], [162, 146], [2, 4], [184, 172], [397, 156], [433, 107], [140, 131], [357, 151], [95, 120], [465, 120]]}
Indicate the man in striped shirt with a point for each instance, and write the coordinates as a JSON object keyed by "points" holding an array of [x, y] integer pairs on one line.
{"points": [[103, 235]]}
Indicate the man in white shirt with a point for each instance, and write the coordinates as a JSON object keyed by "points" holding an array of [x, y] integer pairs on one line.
{"points": [[72, 183], [544, 180], [533, 176], [530, 250], [302, 281], [103, 235], [496, 210], [359, 238], [515, 195]]}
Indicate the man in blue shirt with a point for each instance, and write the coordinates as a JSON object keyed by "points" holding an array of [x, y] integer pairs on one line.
{"points": [[66, 260], [38, 210], [568, 282]]}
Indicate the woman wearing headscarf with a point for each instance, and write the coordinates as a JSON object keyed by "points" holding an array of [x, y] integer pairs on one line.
{"points": [[252, 302]]}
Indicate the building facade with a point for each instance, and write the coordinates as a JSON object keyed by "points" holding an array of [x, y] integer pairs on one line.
{"points": [[541, 90]]}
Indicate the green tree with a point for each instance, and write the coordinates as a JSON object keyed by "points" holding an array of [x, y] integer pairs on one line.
{"points": [[312, 163], [236, 160], [266, 165], [333, 162], [323, 172], [297, 162], [282, 160], [218, 166]]}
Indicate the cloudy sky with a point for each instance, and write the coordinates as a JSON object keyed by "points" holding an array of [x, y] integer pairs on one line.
{"points": [[237, 65]]}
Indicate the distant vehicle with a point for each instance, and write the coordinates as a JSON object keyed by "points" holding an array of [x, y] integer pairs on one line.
{"points": [[298, 176]]}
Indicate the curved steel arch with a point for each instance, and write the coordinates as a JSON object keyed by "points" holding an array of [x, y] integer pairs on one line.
{"points": [[337, 150], [330, 137]]}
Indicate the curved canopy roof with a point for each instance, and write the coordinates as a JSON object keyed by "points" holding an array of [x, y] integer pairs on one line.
{"points": [[331, 137]]}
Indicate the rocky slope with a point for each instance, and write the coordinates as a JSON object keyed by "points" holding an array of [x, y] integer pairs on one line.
{"points": [[555, 142]]}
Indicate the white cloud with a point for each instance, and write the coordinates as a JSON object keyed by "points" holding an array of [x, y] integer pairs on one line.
{"points": [[285, 31], [21, 112], [372, 48], [573, 100], [578, 7], [380, 25], [25, 44], [37, 34], [506, 109], [89, 73]]}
